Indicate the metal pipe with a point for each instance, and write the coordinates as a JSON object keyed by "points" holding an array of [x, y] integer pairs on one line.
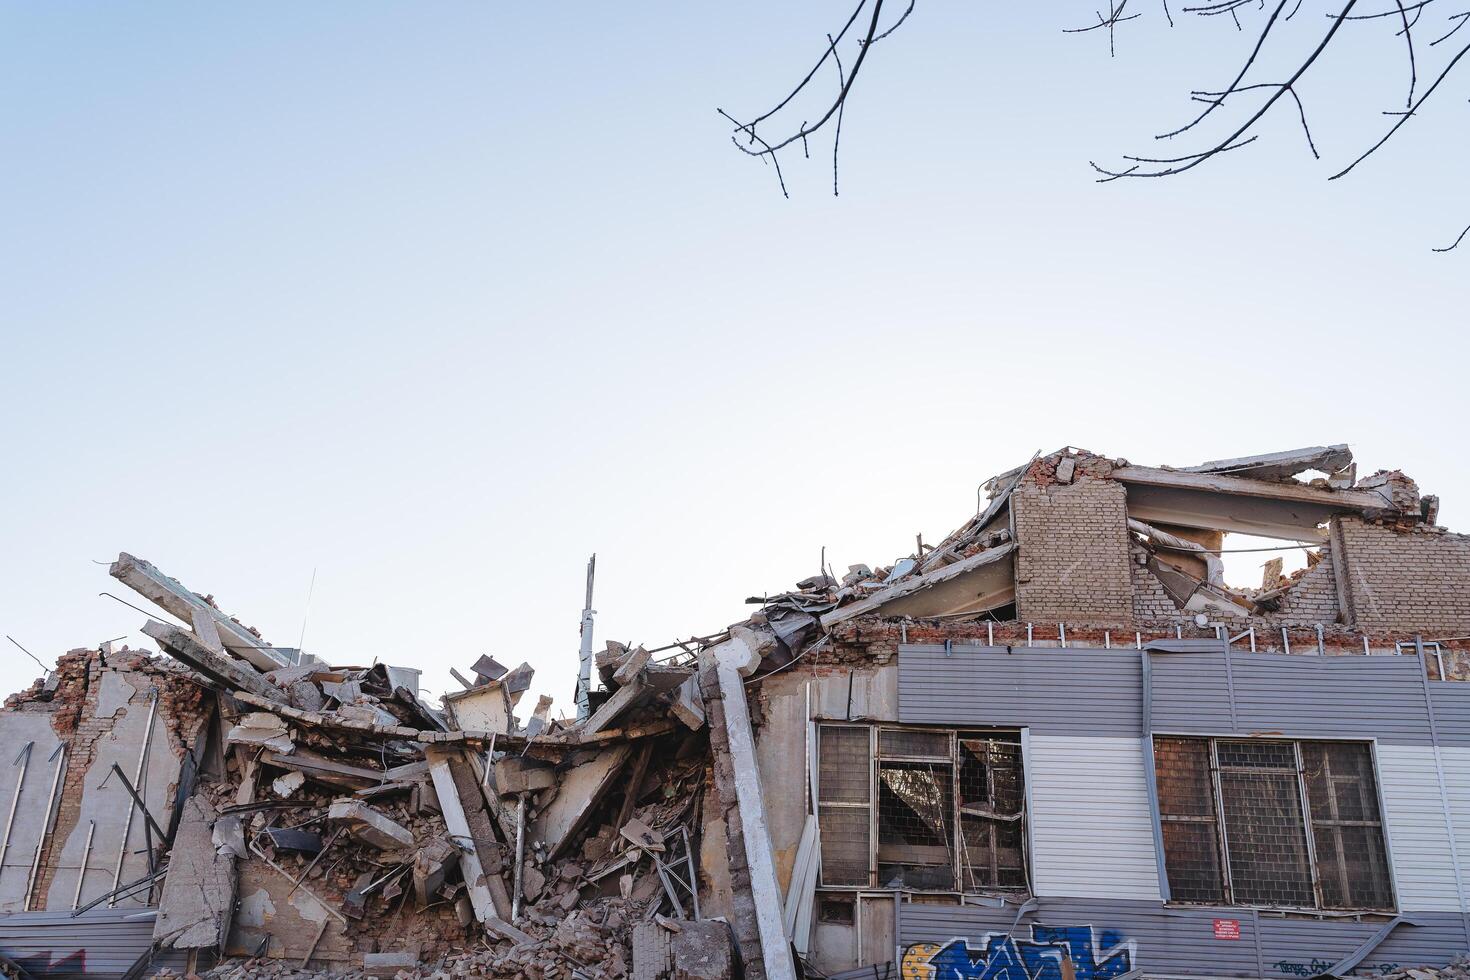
{"points": [[23, 759], [1028, 634], [584, 664], [989, 633], [1285, 641], [1137, 641], [1062, 634], [1107, 640], [60, 756], [122, 849], [1253, 639], [82, 874], [515, 900]]}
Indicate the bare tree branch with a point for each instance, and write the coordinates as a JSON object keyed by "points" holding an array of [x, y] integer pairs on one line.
{"points": [[1413, 110], [1234, 141], [1456, 243]]}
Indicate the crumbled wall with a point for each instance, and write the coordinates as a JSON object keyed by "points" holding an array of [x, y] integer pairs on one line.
{"points": [[1401, 579], [1073, 538], [1312, 599], [1151, 603], [100, 710]]}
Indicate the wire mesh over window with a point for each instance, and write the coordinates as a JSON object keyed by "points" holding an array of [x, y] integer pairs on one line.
{"points": [[844, 811], [921, 809], [899, 743], [915, 825], [992, 793], [1265, 836], [1347, 828], [1231, 812], [1187, 815]]}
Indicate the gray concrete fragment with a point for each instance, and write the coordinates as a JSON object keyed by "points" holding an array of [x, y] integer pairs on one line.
{"points": [[199, 890], [369, 826]]}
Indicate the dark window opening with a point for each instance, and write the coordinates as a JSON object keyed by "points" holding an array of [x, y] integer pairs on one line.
{"points": [[949, 813]]}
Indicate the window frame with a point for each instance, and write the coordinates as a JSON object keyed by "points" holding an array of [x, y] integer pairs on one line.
{"points": [[1217, 819], [953, 761]]}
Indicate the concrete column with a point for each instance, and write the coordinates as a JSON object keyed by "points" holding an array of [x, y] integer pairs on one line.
{"points": [[734, 660]]}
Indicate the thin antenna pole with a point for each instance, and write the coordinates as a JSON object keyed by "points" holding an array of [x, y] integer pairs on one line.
{"points": [[584, 671], [310, 590]]}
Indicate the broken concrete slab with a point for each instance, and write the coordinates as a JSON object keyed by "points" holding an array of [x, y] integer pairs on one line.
{"points": [[198, 897], [1282, 465], [369, 825], [581, 790], [185, 646], [688, 706], [630, 665], [168, 594], [623, 699]]}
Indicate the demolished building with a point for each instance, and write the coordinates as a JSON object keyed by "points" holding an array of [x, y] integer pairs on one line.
{"points": [[1058, 743]]}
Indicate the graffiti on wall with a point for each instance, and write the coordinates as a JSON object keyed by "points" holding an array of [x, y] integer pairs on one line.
{"points": [[1066, 953]]}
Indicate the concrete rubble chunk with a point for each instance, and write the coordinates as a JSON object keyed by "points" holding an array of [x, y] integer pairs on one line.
{"points": [[370, 826], [515, 775], [630, 666], [264, 730], [284, 786]]}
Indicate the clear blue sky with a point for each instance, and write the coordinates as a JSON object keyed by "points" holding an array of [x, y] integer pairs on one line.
{"points": [[437, 299]]}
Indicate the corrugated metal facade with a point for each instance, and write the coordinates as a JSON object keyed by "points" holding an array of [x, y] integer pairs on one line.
{"points": [[1053, 691], [1418, 838], [99, 943], [1182, 941], [1093, 853], [1299, 696], [1091, 832], [1451, 712]]}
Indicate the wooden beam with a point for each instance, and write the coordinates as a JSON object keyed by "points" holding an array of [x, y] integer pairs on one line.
{"points": [[185, 646]]}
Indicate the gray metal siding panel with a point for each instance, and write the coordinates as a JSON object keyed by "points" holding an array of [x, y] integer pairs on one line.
{"points": [[1451, 712], [1180, 940], [1300, 696], [99, 943], [1190, 692], [1352, 697], [1091, 828], [1073, 691]]}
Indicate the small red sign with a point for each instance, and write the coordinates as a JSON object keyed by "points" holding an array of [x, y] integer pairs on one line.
{"points": [[1227, 928]]}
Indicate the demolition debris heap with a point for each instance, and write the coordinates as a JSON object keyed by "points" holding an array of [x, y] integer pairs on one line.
{"points": [[238, 803]]}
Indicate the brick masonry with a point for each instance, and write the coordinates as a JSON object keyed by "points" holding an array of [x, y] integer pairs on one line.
{"points": [[1073, 559], [1407, 579]]}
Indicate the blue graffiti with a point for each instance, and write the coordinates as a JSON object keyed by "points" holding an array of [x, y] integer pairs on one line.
{"points": [[1094, 955]]}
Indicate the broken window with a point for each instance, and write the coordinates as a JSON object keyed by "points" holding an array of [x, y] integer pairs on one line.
{"points": [[1272, 823], [992, 796], [948, 815]]}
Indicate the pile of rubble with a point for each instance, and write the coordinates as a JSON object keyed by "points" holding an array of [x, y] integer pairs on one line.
{"points": [[427, 840]]}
